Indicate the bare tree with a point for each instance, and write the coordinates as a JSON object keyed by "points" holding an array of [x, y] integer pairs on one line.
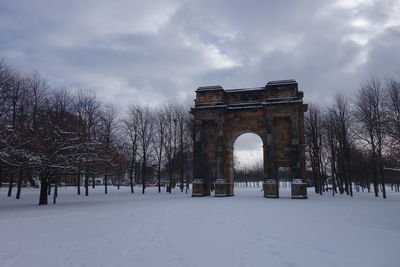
{"points": [[392, 104], [170, 145], [181, 114], [7, 79], [160, 128], [371, 117], [132, 132], [342, 114], [314, 140], [108, 126], [87, 108], [331, 146], [187, 145], [145, 128]]}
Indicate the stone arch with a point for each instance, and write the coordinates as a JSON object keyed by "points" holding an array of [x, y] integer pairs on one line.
{"points": [[274, 112]]}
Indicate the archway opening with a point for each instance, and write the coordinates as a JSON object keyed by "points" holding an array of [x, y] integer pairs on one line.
{"points": [[248, 165]]}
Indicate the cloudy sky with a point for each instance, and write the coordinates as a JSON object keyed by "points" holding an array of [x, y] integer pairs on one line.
{"points": [[160, 51]]}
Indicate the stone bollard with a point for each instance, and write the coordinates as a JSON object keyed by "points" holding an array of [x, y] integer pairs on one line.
{"points": [[223, 188], [199, 188], [299, 189], [271, 189]]}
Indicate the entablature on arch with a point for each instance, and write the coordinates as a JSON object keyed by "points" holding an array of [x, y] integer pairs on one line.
{"points": [[273, 93]]}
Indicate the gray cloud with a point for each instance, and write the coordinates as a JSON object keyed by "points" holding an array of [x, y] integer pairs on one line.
{"points": [[158, 51], [165, 49]]}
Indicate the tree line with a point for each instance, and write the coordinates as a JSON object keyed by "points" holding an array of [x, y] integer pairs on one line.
{"points": [[250, 175], [350, 141], [48, 133]]}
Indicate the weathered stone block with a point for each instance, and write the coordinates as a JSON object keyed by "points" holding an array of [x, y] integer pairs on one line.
{"points": [[271, 189], [199, 188], [299, 189], [223, 188]]}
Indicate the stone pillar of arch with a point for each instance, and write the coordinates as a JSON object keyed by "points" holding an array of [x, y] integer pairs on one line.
{"points": [[200, 185], [271, 182], [223, 183], [299, 185], [295, 147]]}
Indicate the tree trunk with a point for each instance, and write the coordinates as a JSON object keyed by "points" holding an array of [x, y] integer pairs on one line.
{"points": [[31, 181], [340, 185], [316, 187], [366, 183], [382, 178], [159, 162], [333, 173], [333, 186], [159, 178], [169, 186], [86, 185], [55, 195], [43, 192], [105, 184], [348, 169], [78, 183], [351, 187], [138, 171], [181, 156], [374, 172], [187, 183], [144, 174], [10, 185], [131, 178], [321, 180], [346, 180], [49, 188], [93, 182], [19, 184]]}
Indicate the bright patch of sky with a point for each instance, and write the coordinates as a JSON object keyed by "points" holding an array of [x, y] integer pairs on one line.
{"points": [[248, 151]]}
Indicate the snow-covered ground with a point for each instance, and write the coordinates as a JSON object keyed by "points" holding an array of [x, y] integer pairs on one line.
{"points": [[120, 229]]}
